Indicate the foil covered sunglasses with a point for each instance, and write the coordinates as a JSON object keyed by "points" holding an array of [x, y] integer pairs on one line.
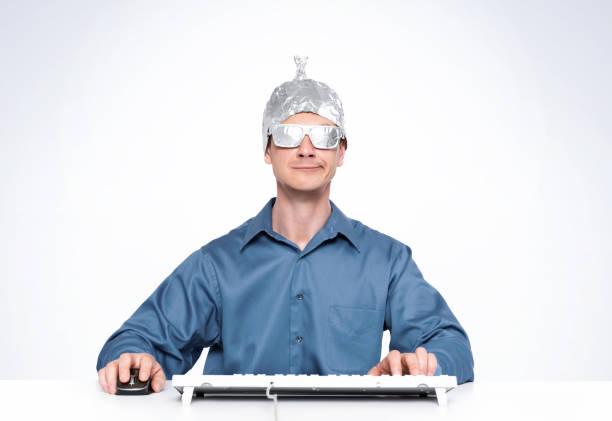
{"points": [[291, 135]]}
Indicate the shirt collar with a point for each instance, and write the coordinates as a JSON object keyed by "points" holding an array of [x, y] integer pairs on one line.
{"points": [[337, 223]]}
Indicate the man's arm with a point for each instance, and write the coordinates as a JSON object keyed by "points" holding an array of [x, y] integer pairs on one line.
{"points": [[418, 316], [182, 315]]}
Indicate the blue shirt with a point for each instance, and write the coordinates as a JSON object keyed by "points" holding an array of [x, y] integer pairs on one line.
{"points": [[262, 305]]}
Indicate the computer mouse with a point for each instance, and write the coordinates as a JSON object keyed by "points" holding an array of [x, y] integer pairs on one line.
{"points": [[134, 386]]}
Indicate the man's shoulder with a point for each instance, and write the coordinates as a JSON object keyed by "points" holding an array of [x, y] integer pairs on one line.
{"points": [[370, 237], [229, 242]]}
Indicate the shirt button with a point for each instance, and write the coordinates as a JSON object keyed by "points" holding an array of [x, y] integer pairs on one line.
{"points": [[298, 339], [299, 296]]}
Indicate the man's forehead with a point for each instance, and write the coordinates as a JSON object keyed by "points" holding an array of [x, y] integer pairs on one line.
{"points": [[314, 117]]}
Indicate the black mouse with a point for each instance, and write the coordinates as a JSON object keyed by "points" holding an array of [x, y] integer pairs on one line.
{"points": [[134, 386]]}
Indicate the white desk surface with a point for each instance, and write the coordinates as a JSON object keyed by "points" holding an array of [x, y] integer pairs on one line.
{"points": [[51, 399]]}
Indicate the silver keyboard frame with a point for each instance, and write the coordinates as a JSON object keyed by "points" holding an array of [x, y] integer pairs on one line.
{"points": [[273, 386]]}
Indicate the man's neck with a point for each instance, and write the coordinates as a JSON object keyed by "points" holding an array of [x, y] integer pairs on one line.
{"points": [[298, 216]]}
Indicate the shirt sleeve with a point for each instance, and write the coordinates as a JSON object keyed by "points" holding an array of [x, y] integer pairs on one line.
{"points": [[176, 322], [417, 315]]}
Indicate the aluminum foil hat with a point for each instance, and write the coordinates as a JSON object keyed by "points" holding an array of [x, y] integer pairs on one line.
{"points": [[300, 95]]}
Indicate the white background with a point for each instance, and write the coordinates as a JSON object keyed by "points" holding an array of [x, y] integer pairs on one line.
{"points": [[479, 135]]}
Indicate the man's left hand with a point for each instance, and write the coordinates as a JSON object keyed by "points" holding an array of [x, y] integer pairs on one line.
{"points": [[418, 362]]}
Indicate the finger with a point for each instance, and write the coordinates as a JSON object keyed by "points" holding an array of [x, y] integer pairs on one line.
{"points": [[421, 354], [111, 376], [374, 371], [158, 378], [410, 361], [383, 366], [432, 363], [102, 380], [146, 363], [377, 370], [125, 363], [394, 359]]}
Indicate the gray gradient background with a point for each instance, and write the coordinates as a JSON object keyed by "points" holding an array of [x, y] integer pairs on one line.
{"points": [[479, 134]]}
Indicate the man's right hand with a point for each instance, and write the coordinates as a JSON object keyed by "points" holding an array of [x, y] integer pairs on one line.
{"points": [[146, 364]]}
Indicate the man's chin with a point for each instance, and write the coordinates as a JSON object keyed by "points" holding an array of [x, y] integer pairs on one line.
{"points": [[306, 187]]}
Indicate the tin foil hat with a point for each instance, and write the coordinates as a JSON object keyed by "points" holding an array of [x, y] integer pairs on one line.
{"points": [[300, 95]]}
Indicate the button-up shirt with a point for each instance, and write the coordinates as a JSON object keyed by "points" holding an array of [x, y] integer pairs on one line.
{"points": [[265, 306]]}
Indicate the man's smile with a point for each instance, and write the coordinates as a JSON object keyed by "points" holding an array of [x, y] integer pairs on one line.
{"points": [[306, 168]]}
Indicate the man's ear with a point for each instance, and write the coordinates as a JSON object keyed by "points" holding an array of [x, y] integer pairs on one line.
{"points": [[342, 149]]}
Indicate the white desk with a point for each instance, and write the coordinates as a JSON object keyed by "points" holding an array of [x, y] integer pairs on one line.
{"points": [[42, 400]]}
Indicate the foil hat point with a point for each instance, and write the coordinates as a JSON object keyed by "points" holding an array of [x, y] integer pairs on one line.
{"points": [[300, 62]]}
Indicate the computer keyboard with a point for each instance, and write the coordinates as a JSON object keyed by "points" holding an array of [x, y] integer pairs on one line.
{"points": [[272, 386]]}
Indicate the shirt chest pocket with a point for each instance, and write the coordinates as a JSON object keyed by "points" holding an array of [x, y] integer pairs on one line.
{"points": [[353, 339]]}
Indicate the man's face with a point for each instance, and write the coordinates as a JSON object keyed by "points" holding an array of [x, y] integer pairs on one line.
{"points": [[305, 167]]}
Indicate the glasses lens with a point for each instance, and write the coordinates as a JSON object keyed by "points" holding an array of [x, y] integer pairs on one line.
{"points": [[325, 137], [286, 136]]}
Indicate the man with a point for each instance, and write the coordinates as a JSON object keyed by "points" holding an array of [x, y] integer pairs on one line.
{"points": [[300, 288]]}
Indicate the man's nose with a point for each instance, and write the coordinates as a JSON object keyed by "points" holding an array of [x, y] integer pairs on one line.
{"points": [[306, 147]]}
